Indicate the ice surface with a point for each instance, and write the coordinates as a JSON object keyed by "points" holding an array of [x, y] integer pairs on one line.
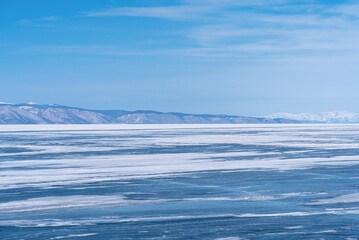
{"points": [[179, 181]]}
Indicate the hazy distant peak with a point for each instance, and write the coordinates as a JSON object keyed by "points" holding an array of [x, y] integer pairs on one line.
{"points": [[323, 117]]}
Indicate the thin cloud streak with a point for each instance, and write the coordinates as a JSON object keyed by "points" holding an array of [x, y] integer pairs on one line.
{"points": [[40, 22], [172, 12], [190, 10], [351, 10], [230, 28]]}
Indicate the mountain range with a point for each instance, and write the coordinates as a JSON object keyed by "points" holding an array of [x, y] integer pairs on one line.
{"points": [[324, 117], [32, 113]]}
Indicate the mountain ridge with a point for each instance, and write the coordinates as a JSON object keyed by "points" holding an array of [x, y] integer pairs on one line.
{"points": [[323, 117], [32, 113]]}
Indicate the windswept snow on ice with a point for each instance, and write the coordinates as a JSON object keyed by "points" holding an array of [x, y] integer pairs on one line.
{"points": [[159, 181]]}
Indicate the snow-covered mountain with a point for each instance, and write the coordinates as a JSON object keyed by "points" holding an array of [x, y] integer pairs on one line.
{"points": [[324, 117], [32, 113]]}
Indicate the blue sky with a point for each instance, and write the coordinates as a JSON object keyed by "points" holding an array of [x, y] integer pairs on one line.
{"points": [[245, 57]]}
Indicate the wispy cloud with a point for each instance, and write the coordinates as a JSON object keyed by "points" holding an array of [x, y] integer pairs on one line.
{"points": [[39, 22], [49, 18], [247, 28], [191, 9], [347, 9], [171, 12]]}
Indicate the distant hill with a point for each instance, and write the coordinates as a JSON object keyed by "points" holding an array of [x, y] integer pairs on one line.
{"points": [[324, 117], [32, 113]]}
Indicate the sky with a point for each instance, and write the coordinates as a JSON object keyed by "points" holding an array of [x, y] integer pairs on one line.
{"points": [[242, 57]]}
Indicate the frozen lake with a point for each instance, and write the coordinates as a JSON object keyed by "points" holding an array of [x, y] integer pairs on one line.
{"points": [[179, 182]]}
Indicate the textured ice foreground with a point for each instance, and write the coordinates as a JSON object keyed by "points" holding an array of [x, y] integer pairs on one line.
{"points": [[179, 182]]}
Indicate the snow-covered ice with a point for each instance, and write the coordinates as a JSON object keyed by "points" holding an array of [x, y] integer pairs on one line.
{"points": [[164, 181]]}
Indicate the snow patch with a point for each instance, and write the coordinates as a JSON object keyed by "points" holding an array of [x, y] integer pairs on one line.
{"points": [[348, 198]]}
